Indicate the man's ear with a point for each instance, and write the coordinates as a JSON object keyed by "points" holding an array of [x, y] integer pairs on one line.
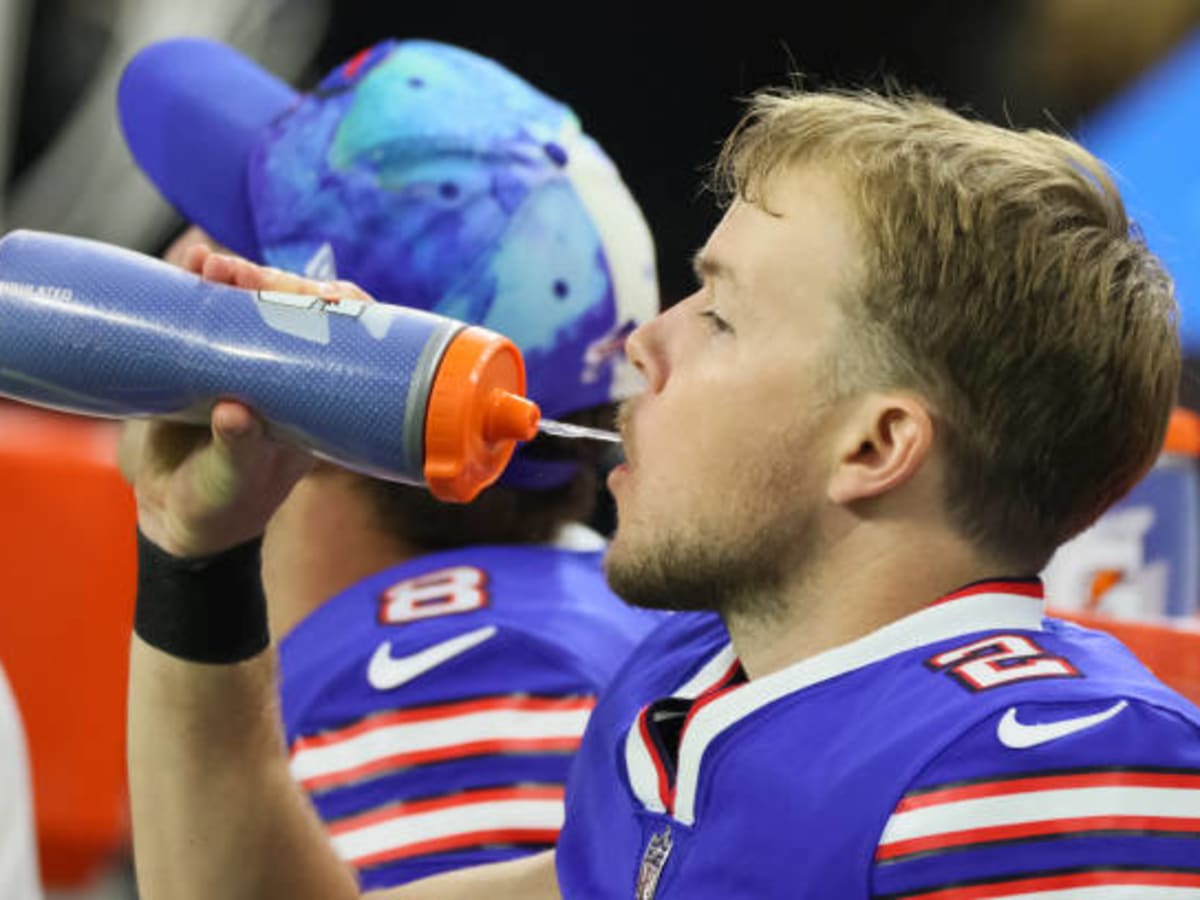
{"points": [[881, 446]]}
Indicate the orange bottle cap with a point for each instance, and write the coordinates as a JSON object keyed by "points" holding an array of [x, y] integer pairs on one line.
{"points": [[476, 414]]}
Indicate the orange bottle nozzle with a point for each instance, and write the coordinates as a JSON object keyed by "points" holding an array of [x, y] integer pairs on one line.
{"points": [[475, 414], [510, 417]]}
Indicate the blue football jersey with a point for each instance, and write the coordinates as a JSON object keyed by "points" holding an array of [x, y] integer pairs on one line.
{"points": [[432, 710], [974, 749]]}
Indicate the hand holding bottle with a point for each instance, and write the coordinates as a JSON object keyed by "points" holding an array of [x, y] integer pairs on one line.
{"points": [[204, 489]]}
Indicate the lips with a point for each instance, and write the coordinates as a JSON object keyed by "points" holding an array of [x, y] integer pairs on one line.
{"points": [[615, 476]]}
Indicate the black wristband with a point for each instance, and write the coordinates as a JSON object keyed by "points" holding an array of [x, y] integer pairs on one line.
{"points": [[208, 609]]}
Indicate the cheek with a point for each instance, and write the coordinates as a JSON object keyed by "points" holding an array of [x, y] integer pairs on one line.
{"points": [[701, 456]]}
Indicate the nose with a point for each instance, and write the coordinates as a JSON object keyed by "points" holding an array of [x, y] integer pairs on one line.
{"points": [[656, 346], [644, 349]]}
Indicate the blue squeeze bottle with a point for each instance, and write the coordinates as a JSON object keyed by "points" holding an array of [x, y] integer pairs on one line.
{"points": [[398, 393]]}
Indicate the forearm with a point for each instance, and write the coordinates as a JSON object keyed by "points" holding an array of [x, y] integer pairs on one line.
{"points": [[215, 811]]}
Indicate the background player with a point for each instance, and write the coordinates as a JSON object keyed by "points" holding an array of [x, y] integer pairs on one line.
{"points": [[437, 663]]}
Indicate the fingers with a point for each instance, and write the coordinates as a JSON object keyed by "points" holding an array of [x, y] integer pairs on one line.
{"points": [[193, 258], [234, 424], [238, 444], [278, 280], [183, 245], [241, 436], [219, 268], [345, 290], [198, 253], [203, 490], [233, 270]]}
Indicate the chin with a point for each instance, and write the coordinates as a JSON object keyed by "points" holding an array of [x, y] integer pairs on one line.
{"points": [[657, 573], [722, 568]]}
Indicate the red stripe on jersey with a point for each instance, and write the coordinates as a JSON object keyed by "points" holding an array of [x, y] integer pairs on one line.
{"points": [[718, 689], [444, 711], [1096, 877], [465, 798], [504, 836], [1131, 778], [497, 747], [1032, 830], [723, 681], [1023, 588]]}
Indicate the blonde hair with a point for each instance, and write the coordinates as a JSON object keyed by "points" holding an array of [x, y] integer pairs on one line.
{"points": [[1005, 284]]}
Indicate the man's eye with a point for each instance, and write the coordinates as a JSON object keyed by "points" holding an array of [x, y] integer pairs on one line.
{"points": [[716, 322]]}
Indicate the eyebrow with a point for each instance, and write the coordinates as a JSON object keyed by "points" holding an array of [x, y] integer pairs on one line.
{"points": [[705, 266]]}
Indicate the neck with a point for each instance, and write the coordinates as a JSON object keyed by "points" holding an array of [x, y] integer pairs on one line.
{"points": [[842, 598], [325, 510]]}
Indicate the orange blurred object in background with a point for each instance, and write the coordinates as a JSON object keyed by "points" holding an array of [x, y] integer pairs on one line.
{"points": [[67, 554]]}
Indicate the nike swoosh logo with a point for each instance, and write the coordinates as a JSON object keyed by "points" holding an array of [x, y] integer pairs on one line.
{"points": [[1016, 736], [386, 671]]}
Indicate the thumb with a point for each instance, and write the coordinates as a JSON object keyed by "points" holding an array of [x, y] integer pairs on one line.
{"points": [[236, 451], [248, 455], [235, 428]]}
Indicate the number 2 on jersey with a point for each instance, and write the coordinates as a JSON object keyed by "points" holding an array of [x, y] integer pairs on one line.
{"points": [[458, 589], [1003, 659]]}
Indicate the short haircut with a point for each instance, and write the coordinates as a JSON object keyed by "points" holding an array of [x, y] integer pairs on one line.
{"points": [[1003, 283]]}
